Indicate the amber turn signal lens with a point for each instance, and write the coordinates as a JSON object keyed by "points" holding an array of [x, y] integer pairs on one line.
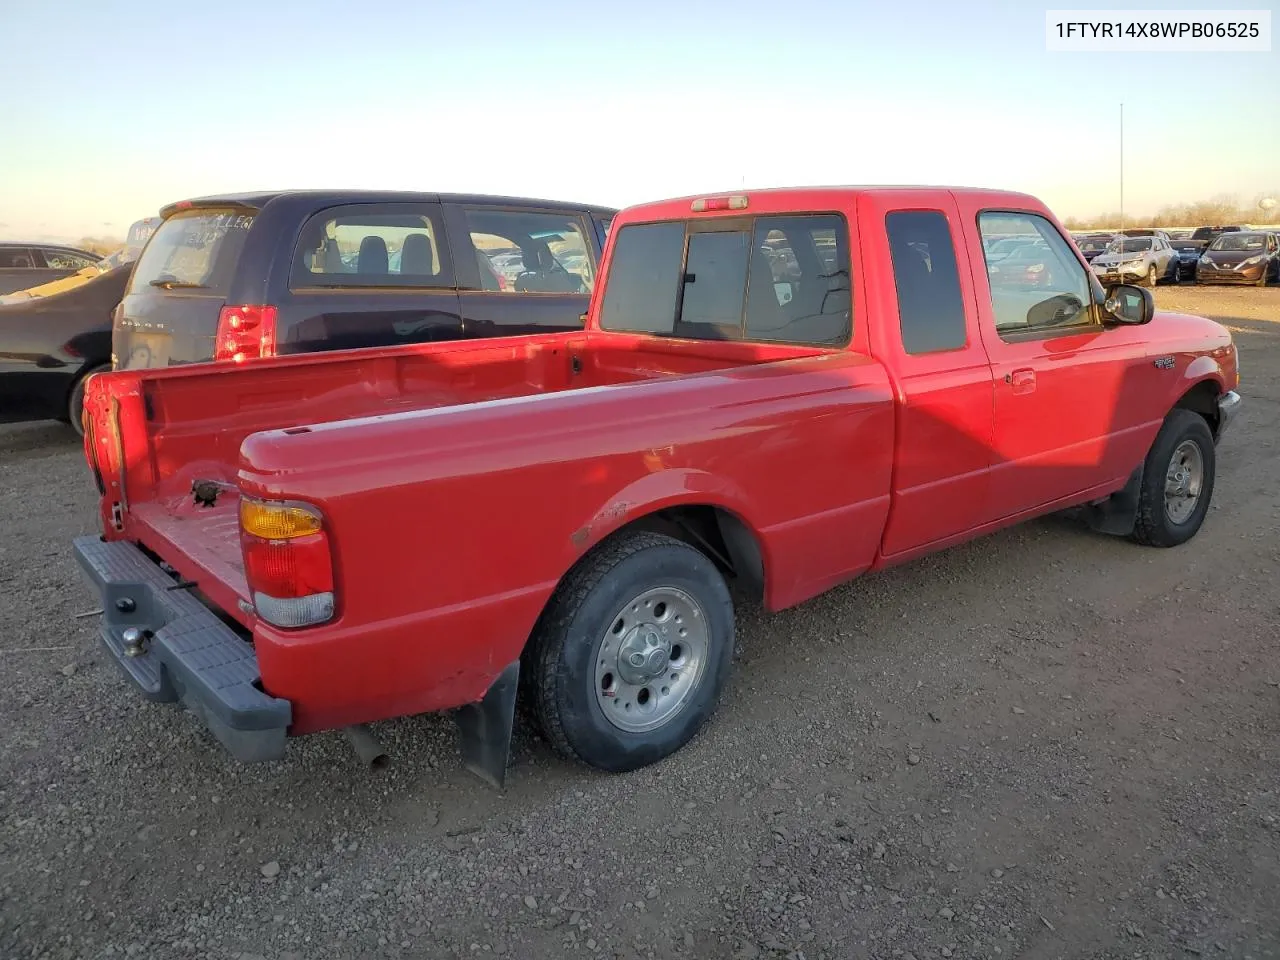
{"points": [[277, 521]]}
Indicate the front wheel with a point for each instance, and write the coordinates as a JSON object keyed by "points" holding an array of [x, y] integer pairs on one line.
{"points": [[1152, 276], [630, 657], [1177, 481]]}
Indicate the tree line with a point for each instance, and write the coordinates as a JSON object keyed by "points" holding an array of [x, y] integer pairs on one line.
{"points": [[1222, 209]]}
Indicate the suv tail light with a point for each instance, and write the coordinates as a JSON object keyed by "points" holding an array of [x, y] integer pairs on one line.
{"points": [[287, 562], [245, 332]]}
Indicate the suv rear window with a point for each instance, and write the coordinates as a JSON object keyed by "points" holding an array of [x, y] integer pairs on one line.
{"points": [[193, 249]]}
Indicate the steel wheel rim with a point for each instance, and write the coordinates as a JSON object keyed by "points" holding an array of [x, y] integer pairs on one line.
{"points": [[1183, 481], [651, 659]]}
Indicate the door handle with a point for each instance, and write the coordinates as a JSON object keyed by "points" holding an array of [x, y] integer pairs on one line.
{"points": [[1022, 381]]}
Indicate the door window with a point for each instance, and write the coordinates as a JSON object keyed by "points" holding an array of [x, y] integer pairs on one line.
{"points": [[1037, 284], [15, 258], [930, 306], [520, 252], [65, 260]]}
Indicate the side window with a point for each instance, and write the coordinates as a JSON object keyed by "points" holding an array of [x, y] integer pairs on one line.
{"points": [[930, 306], [65, 260], [519, 252], [14, 257], [373, 245], [1037, 284], [640, 294], [800, 288]]}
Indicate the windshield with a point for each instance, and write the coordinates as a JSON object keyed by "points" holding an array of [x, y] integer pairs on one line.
{"points": [[1091, 246], [1128, 246], [194, 248], [1240, 241]]}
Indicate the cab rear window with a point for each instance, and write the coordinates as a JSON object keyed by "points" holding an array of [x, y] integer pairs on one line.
{"points": [[783, 279], [192, 250]]}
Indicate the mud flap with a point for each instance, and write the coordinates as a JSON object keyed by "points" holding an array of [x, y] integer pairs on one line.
{"points": [[1119, 512], [485, 728]]}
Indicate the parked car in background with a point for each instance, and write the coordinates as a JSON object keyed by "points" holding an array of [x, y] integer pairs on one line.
{"points": [[50, 345], [1252, 257], [1208, 234], [399, 543], [1094, 244], [1144, 259], [137, 237], [1188, 253], [54, 336], [1179, 234], [1145, 232], [240, 277], [25, 265]]}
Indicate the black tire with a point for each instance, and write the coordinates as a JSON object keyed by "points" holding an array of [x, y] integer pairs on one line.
{"points": [[1152, 277], [1154, 526], [560, 661], [75, 401]]}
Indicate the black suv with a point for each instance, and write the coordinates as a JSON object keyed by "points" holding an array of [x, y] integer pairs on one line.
{"points": [[252, 275]]}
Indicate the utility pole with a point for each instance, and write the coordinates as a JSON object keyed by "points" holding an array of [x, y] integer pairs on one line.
{"points": [[1122, 166]]}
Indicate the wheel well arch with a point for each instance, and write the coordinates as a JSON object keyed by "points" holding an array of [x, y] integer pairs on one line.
{"points": [[718, 533], [1202, 398], [724, 537]]}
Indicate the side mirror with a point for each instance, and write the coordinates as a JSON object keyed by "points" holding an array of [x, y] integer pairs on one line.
{"points": [[1126, 303]]}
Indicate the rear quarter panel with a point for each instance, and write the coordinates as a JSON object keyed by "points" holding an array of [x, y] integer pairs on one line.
{"points": [[453, 527]]}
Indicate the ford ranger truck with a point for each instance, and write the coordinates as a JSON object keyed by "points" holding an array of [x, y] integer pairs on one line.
{"points": [[777, 390]]}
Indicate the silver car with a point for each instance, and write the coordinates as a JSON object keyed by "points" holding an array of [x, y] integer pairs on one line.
{"points": [[1145, 260]]}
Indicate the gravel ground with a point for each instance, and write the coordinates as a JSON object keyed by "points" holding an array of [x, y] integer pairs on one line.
{"points": [[1047, 743]]}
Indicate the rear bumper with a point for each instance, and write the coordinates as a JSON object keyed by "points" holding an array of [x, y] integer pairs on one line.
{"points": [[1228, 408], [187, 653]]}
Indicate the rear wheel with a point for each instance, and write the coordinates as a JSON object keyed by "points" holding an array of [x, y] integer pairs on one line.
{"points": [[75, 402], [1177, 481], [629, 659]]}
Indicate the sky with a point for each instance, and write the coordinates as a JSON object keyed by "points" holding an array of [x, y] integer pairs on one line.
{"points": [[131, 104]]}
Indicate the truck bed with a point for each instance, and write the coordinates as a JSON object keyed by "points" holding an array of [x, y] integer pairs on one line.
{"points": [[153, 433]]}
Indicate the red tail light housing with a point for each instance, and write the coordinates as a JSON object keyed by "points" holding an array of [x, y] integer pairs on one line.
{"points": [[287, 562], [245, 332]]}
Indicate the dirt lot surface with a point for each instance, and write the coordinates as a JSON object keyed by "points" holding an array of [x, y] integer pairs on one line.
{"points": [[1048, 743]]}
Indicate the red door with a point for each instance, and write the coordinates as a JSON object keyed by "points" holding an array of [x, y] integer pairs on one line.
{"points": [[921, 292], [1072, 398]]}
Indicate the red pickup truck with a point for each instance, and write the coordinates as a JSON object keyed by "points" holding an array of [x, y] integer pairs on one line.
{"points": [[779, 390]]}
